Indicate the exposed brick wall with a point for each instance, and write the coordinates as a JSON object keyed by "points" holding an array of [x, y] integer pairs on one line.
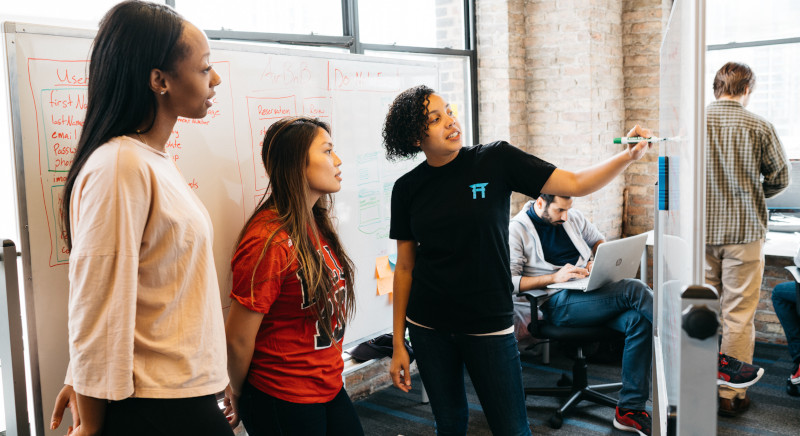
{"points": [[571, 95], [500, 70], [371, 378], [642, 29], [768, 328], [453, 76]]}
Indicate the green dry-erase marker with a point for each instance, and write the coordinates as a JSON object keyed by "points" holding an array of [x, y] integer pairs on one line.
{"points": [[638, 139]]}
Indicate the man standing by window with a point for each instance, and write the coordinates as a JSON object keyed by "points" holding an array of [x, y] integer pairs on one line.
{"points": [[745, 163]]}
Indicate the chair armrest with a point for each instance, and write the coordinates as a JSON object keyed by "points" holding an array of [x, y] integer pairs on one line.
{"points": [[795, 271], [535, 298]]}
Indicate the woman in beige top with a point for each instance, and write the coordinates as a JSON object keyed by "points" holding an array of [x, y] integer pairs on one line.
{"points": [[147, 343]]}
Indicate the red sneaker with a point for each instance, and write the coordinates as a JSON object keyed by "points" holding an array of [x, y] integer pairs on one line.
{"points": [[633, 421], [737, 374], [795, 378]]}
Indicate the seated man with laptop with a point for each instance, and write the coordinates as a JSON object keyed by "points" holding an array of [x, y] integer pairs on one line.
{"points": [[551, 244]]}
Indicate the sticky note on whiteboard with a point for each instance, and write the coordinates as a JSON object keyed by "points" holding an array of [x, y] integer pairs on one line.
{"points": [[384, 274]]}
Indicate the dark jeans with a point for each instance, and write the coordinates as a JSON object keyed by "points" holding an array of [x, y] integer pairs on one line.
{"points": [[265, 415], [625, 306], [495, 370], [784, 299], [166, 417]]}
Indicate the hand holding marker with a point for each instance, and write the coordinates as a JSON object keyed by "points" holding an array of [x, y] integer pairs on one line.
{"points": [[638, 139]]}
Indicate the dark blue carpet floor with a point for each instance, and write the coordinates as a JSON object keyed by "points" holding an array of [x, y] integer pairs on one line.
{"points": [[392, 412]]}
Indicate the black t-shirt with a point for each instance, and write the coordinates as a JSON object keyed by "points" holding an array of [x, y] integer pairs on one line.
{"points": [[459, 214]]}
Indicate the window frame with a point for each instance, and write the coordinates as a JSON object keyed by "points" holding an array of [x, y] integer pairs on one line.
{"points": [[753, 44], [351, 41]]}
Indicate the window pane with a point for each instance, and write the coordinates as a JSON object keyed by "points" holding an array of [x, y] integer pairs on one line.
{"points": [[751, 20], [417, 23], [304, 17], [454, 85], [777, 70], [59, 13]]}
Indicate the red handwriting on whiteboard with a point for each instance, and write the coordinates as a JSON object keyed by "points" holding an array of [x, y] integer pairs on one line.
{"points": [[198, 121], [211, 113], [317, 107], [356, 79], [62, 164], [60, 149], [173, 144], [317, 111], [65, 78], [74, 134], [65, 120], [273, 111], [57, 100], [286, 73]]}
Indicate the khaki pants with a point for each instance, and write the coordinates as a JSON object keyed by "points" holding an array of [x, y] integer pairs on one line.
{"points": [[735, 271]]}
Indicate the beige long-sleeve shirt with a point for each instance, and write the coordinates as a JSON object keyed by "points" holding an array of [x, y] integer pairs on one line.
{"points": [[145, 317]]}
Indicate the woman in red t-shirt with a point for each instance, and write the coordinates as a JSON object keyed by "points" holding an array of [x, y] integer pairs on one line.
{"points": [[292, 294]]}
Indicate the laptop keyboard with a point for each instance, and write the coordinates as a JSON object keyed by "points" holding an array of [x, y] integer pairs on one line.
{"points": [[575, 284]]}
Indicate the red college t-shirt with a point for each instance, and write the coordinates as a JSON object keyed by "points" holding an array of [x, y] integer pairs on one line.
{"points": [[293, 360]]}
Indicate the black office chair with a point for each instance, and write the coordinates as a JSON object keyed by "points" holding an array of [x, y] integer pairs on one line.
{"points": [[577, 388]]}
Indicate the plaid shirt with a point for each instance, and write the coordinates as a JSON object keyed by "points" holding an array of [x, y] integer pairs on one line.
{"points": [[741, 147]]}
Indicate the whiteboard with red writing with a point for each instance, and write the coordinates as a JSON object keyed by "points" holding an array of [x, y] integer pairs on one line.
{"points": [[218, 155]]}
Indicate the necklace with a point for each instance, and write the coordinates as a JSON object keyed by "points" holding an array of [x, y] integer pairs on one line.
{"points": [[139, 135]]}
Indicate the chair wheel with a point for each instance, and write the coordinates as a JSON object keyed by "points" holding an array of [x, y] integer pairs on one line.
{"points": [[556, 421], [564, 381]]}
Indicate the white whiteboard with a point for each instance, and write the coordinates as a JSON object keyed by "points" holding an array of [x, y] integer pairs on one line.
{"points": [[219, 156], [685, 376]]}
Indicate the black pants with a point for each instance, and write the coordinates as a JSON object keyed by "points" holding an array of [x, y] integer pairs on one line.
{"points": [[198, 416], [264, 415]]}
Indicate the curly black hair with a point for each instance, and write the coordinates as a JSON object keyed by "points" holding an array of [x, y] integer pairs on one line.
{"points": [[406, 123]]}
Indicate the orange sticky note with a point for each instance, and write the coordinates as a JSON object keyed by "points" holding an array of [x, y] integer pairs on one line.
{"points": [[384, 274], [382, 267], [385, 285]]}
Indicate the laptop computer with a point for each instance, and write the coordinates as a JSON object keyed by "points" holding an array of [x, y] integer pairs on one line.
{"points": [[614, 261]]}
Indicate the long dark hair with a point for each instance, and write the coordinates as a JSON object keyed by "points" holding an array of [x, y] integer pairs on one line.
{"points": [[285, 157], [134, 38]]}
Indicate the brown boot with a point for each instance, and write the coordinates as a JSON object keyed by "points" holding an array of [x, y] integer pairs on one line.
{"points": [[734, 406]]}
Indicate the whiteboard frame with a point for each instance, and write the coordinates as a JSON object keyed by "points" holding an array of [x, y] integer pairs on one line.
{"points": [[696, 396], [10, 30]]}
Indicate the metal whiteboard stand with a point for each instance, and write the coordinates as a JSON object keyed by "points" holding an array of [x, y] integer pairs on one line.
{"points": [[12, 358], [697, 401]]}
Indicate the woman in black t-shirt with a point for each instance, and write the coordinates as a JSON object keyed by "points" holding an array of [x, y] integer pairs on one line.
{"points": [[452, 281]]}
